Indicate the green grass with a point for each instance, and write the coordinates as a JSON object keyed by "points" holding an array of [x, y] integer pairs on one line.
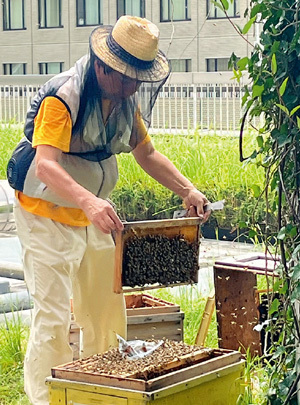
{"points": [[211, 162], [13, 341], [9, 137], [192, 303]]}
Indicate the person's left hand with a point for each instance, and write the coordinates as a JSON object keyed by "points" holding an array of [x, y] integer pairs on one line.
{"points": [[195, 202]]}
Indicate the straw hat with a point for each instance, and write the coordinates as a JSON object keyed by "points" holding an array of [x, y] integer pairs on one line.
{"points": [[131, 48]]}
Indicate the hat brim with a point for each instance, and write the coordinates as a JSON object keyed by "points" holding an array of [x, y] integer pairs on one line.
{"points": [[158, 71]]}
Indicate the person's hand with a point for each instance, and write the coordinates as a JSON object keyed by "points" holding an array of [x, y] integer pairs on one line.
{"points": [[102, 214], [195, 202]]}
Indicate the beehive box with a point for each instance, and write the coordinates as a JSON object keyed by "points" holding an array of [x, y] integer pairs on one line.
{"points": [[237, 300], [147, 317], [201, 376], [152, 254]]}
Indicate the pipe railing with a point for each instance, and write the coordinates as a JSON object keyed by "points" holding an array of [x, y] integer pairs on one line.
{"points": [[179, 108]]}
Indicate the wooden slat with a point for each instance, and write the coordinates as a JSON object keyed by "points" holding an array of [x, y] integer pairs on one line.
{"points": [[162, 223], [116, 381], [205, 321], [172, 365], [141, 319], [144, 304], [152, 310], [163, 330], [118, 262], [247, 270]]}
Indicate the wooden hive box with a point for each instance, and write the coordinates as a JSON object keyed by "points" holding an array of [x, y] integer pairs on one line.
{"points": [[202, 378], [147, 317], [237, 300], [186, 230]]}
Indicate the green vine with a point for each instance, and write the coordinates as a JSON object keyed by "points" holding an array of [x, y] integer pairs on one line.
{"points": [[274, 93]]}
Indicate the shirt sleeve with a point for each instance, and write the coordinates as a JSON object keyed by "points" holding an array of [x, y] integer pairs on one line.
{"points": [[140, 133], [53, 125]]}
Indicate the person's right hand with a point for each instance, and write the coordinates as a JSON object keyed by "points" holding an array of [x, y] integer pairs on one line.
{"points": [[102, 214]]}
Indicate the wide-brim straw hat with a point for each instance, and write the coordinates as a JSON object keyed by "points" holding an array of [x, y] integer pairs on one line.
{"points": [[131, 48]]}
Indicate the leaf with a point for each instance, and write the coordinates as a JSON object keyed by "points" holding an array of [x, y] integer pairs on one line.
{"points": [[294, 110], [283, 289], [248, 25], [256, 9], [257, 90], [298, 122], [295, 294], [274, 64], [293, 232], [225, 4], [256, 190], [274, 183], [295, 252], [283, 86], [242, 63], [252, 233], [283, 108], [280, 350], [218, 5], [274, 306], [281, 233], [296, 273], [260, 141]]}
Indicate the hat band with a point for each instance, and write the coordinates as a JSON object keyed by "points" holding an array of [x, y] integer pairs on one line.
{"points": [[126, 57]]}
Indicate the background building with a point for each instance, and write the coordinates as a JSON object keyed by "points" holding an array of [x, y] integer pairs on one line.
{"points": [[48, 36]]}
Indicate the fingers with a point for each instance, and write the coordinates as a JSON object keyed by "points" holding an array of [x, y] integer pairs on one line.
{"points": [[103, 216], [196, 202]]}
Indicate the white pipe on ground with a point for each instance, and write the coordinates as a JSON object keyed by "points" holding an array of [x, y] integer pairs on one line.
{"points": [[24, 315], [12, 302]]}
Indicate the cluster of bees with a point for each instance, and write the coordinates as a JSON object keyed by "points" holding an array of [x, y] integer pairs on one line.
{"points": [[153, 259], [112, 362]]}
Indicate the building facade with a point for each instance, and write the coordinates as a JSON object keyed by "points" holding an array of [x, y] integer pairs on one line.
{"points": [[48, 36]]}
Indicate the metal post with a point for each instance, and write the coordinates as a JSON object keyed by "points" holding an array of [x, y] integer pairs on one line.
{"points": [[194, 107]]}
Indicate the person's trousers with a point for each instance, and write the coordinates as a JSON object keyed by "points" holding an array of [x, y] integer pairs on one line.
{"points": [[61, 261]]}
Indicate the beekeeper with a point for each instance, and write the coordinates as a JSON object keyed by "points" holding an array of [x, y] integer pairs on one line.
{"points": [[63, 171]]}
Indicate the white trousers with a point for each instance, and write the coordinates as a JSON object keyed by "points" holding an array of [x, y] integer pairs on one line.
{"points": [[60, 261]]}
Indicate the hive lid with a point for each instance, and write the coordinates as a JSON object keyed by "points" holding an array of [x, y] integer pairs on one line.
{"points": [[257, 263]]}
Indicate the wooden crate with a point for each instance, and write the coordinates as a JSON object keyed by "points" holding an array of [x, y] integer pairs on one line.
{"points": [[188, 228], [199, 382], [236, 298], [147, 317]]}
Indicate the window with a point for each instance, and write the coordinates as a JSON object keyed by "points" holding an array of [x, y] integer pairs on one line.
{"points": [[131, 7], [50, 13], [216, 12], [181, 65], [89, 12], [175, 10], [14, 68], [50, 68], [217, 65], [13, 15]]}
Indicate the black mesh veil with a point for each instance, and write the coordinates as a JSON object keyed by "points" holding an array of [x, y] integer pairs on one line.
{"points": [[132, 92]]}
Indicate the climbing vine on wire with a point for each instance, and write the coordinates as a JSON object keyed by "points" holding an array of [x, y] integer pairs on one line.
{"points": [[274, 94]]}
